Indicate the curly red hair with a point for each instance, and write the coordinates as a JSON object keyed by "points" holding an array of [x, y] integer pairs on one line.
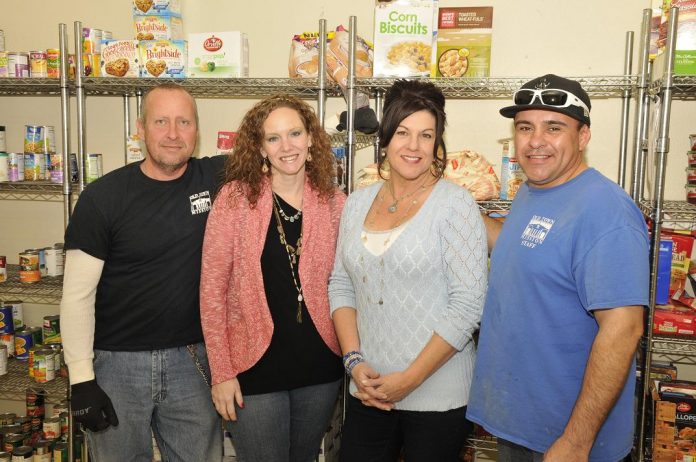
{"points": [[245, 163]]}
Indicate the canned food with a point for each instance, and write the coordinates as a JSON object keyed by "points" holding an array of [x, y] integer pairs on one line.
{"points": [[60, 452], [55, 261], [691, 155], [4, 166], [42, 259], [51, 329], [4, 71], [33, 138], [22, 453], [8, 341], [44, 365], [15, 162], [23, 342], [17, 312], [37, 333], [36, 399], [51, 428], [18, 64], [57, 356], [29, 267], [64, 423], [42, 451], [55, 168], [53, 63], [3, 268], [3, 360], [94, 167], [60, 408], [24, 422], [691, 193], [36, 424], [38, 65], [31, 169], [13, 441], [6, 319], [691, 175], [7, 418], [30, 359]]}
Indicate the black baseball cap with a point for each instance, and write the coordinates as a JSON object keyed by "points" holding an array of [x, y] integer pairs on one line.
{"points": [[539, 94]]}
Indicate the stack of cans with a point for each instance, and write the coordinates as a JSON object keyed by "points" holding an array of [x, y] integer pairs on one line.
{"points": [[691, 171]]}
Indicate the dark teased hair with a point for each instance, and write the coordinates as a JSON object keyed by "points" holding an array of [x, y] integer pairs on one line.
{"points": [[406, 97], [244, 164]]}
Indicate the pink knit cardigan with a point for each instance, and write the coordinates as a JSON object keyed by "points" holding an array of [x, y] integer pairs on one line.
{"points": [[237, 323]]}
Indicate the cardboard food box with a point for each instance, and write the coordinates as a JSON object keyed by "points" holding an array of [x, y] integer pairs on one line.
{"points": [[464, 42], [674, 436], [664, 272], [158, 27], [120, 58], [674, 320], [156, 7], [163, 58], [404, 39], [685, 49], [218, 54], [682, 251]]}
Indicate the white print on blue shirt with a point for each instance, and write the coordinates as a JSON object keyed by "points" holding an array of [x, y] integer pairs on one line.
{"points": [[200, 202], [536, 231]]}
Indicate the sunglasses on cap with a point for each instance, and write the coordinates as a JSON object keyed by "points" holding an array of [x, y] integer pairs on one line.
{"points": [[549, 97]]}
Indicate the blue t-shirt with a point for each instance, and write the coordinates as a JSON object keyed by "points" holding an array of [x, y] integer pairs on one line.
{"points": [[563, 252]]}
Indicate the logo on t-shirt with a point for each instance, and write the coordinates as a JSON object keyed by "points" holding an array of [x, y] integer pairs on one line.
{"points": [[536, 231], [200, 202]]}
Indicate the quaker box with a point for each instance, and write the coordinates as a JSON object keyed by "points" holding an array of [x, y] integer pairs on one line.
{"points": [[218, 54], [464, 37], [405, 33]]}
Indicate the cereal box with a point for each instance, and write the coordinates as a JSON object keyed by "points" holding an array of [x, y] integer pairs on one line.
{"points": [[218, 54], [120, 58], [155, 7], [163, 58], [405, 32], [511, 174], [158, 27], [464, 42]]}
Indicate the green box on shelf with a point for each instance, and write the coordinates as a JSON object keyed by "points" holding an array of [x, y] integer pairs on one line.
{"points": [[685, 62]]}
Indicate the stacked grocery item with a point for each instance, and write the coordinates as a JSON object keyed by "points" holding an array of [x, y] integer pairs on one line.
{"points": [[674, 423], [28, 64], [38, 435], [222, 54], [691, 171], [685, 46]]}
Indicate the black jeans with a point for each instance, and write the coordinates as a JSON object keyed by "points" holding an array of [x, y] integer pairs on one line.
{"points": [[373, 435]]}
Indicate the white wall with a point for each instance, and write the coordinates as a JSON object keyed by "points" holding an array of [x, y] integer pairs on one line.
{"points": [[532, 37]]}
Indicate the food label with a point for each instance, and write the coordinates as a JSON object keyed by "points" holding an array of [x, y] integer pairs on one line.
{"points": [[163, 58], [464, 42], [218, 54], [405, 32], [120, 58], [150, 7], [159, 27]]}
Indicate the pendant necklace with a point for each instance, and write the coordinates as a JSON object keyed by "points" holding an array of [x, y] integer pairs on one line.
{"points": [[393, 207], [290, 218], [293, 253]]}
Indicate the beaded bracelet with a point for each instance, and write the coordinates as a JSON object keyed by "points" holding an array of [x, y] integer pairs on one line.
{"points": [[352, 359]]}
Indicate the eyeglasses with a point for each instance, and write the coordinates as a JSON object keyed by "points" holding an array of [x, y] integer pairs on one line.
{"points": [[549, 97]]}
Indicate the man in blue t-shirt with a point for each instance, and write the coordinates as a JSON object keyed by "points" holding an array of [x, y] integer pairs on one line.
{"points": [[555, 374]]}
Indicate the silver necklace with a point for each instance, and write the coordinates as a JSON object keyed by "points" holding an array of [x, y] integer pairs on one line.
{"points": [[293, 253], [393, 207], [292, 218]]}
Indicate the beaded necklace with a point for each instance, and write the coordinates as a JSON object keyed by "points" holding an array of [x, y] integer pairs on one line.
{"points": [[293, 253]]}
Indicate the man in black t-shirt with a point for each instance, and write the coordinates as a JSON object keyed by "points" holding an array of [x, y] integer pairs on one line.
{"points": [[130, 316]]}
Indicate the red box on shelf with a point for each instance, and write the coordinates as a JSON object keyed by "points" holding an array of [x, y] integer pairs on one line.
{"points": [[674, 320]]}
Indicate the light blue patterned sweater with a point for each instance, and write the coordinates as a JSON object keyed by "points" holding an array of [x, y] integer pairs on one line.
{"points": [[431, 279]]}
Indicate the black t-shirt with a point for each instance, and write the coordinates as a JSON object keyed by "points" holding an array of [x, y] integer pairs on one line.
{"points": [[297, 356], [149, 234]]}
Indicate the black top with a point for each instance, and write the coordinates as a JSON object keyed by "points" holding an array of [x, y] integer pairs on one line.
{"points": [[149, 234], [297, 356]]}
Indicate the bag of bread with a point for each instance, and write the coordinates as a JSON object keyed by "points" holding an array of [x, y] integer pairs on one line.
{"points": [[304, 55], [465, 168], [337, 57]]}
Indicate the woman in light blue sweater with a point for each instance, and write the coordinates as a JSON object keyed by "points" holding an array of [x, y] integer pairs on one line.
{"points": [[407, 291]]}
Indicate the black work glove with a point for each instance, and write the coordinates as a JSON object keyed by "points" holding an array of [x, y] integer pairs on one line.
{"points": [[91, 407]]}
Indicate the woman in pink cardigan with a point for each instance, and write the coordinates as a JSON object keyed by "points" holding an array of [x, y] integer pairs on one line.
{"points": [[267, 255]]}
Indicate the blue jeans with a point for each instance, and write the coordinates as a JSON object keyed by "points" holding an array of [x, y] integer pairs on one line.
{"points": [[158, 392], [284, 426]]}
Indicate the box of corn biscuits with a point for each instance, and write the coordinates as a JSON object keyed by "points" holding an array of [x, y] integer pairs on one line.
{"points": [[405, 35]]}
